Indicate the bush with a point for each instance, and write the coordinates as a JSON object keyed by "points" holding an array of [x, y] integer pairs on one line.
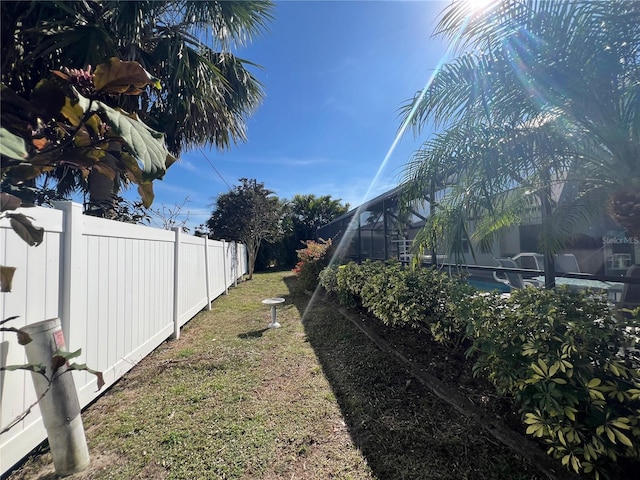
{"points": [[454, 306], [328, 278], [562, 356], [557, 353], [400, 296], [387, 295], [311, 260], [351, 278]]}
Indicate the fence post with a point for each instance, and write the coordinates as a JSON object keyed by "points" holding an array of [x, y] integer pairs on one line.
{"points": [[73, 307], [206, 271], [176, 283], [224, 267], [235, 264]]}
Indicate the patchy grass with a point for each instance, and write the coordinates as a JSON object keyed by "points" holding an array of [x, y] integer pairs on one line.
{"points": [[314, 399]]}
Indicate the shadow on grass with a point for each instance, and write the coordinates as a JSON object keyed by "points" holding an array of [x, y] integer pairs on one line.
{"points": [[402, 429], [253, 334]]}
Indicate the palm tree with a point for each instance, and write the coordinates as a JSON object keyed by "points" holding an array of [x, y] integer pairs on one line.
{"points": [[207, 92], [548, 93]]}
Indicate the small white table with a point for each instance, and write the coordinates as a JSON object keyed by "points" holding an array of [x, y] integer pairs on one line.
{"points": [[273, 302]]}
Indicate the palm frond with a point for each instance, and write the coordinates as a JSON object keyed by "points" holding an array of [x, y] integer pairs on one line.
{"points": [[229, 23]]}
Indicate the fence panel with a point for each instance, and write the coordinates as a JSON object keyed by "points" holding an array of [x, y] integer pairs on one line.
{"points": [[113, 286], [128, 291], [217, 272], [192, 278], [34, 297]]}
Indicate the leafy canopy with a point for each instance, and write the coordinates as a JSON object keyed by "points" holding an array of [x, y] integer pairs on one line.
{"points": [[68, 122], [542, 95], [207, 91], [249, 213]]}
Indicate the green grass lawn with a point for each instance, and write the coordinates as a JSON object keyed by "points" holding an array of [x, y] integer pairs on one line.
{"points": [[314, 399]]}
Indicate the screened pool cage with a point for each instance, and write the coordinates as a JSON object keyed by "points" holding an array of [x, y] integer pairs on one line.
{"points": [[376, 230], [379, 230]]}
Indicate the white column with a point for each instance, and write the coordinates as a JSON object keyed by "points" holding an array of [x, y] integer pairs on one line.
{"points": [[224, 267], [176, 284], [73, 303], [207, 271]]}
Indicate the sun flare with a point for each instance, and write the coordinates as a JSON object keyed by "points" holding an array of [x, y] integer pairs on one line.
{"points": [[480, 5]]}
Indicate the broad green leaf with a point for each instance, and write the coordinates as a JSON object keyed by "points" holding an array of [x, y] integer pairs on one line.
{"points": [[67, 355], [543, 366], [561, 438], [622, 437], [531, 419], [83, 367], [25, 229], [620, 424], [532, 429], [73, 112], [122, 77], [30, 367], [610, 433], [11, 145], [143, 142], [9, 202], [146, 193], [537, 370], [594, 382], [6, 278], [575, 464]]}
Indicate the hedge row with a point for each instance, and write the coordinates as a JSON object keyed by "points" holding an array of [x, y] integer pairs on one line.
{"points": [[566, 358]]}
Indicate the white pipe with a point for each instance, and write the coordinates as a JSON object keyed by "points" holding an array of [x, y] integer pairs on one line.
{"points": [[59, 406]]}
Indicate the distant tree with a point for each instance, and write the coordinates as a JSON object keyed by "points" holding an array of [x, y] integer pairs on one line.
{"points": [[304, 215], [249, 213], [309, 213]]}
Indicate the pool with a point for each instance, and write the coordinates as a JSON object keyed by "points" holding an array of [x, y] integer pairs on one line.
{"points": [[488, 286]]}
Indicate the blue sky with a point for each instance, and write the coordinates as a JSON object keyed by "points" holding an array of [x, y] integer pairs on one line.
{"points": [[335, 74]]}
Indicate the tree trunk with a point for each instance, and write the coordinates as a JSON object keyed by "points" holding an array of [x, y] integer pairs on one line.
{"points": [[546, 210], [432, 211], [102, 191], [252, 250]]}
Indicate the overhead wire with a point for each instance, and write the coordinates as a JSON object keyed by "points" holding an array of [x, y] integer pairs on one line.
{"points": [[215, 169]]}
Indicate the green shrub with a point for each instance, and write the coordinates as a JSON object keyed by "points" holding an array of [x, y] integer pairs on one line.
{"points": [[557, 353], [563, 357], [312, 259], [450, 322], [352, 277], [387, 295], [328, 278]]}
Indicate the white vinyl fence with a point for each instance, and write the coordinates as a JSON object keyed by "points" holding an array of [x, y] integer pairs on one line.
{"points": [[119, 289]]}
